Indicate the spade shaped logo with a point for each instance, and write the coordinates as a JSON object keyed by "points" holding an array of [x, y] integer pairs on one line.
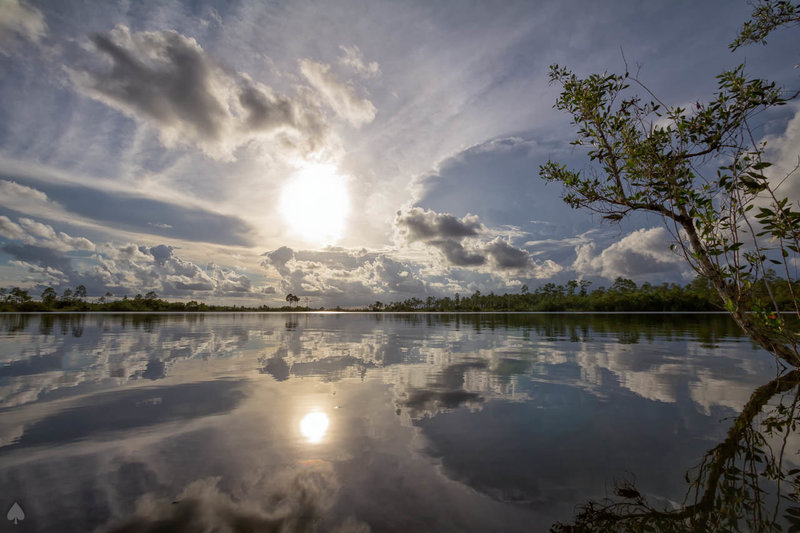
{"points": [[15, 514]]}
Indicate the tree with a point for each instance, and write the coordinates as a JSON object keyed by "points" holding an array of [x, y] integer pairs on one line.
{"points": [[766, 17], [292, 299], [647, 156], [19, 296], [66, 296], [729, 228], [624, 285], [80, 293], [49, 296]]}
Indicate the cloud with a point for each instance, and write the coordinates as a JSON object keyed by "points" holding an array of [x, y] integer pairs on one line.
{"points": [[456, 254], [506, 256], [339, 276], [125, 210], [128, 268], [10, 230], [417, 224], [50, 261], [462, 243], [637, 255], [168, 80], [354, 59], [341, 98], [161, 253], [278, 258], [41, 235], [783, 151], [158, 268], [19, 20], [230, 282], [24, 199]]}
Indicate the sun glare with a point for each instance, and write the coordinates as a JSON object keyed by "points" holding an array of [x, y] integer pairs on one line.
{"points": [[315, 204], [313, 426]]}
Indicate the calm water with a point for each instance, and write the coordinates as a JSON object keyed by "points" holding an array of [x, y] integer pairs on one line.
{"points": [[356, 422]]}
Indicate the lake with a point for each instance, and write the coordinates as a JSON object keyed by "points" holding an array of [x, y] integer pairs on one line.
{"points": [[357, 422]]}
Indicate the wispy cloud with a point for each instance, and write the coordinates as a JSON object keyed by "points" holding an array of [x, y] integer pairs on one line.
{"points": [[340, 97], [18, 20]]}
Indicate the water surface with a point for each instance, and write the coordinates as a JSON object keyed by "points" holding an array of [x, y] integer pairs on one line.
{"points": [[356, 422]]}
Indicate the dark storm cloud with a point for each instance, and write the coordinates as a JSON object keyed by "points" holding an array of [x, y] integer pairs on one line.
{"points": [[443, 231], [167, 79], [457, 255], [506, 256], [419, 224], [459, 240]]}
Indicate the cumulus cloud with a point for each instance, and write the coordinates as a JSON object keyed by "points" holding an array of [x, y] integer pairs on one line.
{"points": [[417, 224], [167, 79], [127, 268], [158, 268], [340, 276], [638, 254], [463, 243], [456, 254], [783, 152], [25, 199], [354, 59], [34, 233], [506, 256], [10, 230], [20, 21], [341, 97], [278, 258], [228, 281]]}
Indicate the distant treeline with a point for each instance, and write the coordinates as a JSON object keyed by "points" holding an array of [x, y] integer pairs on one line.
{"points": [[623, 295], [19, 300]]}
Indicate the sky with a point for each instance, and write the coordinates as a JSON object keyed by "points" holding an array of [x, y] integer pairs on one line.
{"points": [[344, 152]]}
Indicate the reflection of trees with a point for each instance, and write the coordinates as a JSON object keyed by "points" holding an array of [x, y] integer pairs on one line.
{"points": [[741, 484], [577, 327]]}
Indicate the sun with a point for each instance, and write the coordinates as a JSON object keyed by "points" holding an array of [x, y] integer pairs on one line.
{"points": [[315, 204]]}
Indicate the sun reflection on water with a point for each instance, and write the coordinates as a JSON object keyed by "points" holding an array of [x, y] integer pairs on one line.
{"points": [[313, 426]]}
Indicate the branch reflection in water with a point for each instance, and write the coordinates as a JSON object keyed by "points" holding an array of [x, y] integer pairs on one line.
{"points": [[741, 484]]}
